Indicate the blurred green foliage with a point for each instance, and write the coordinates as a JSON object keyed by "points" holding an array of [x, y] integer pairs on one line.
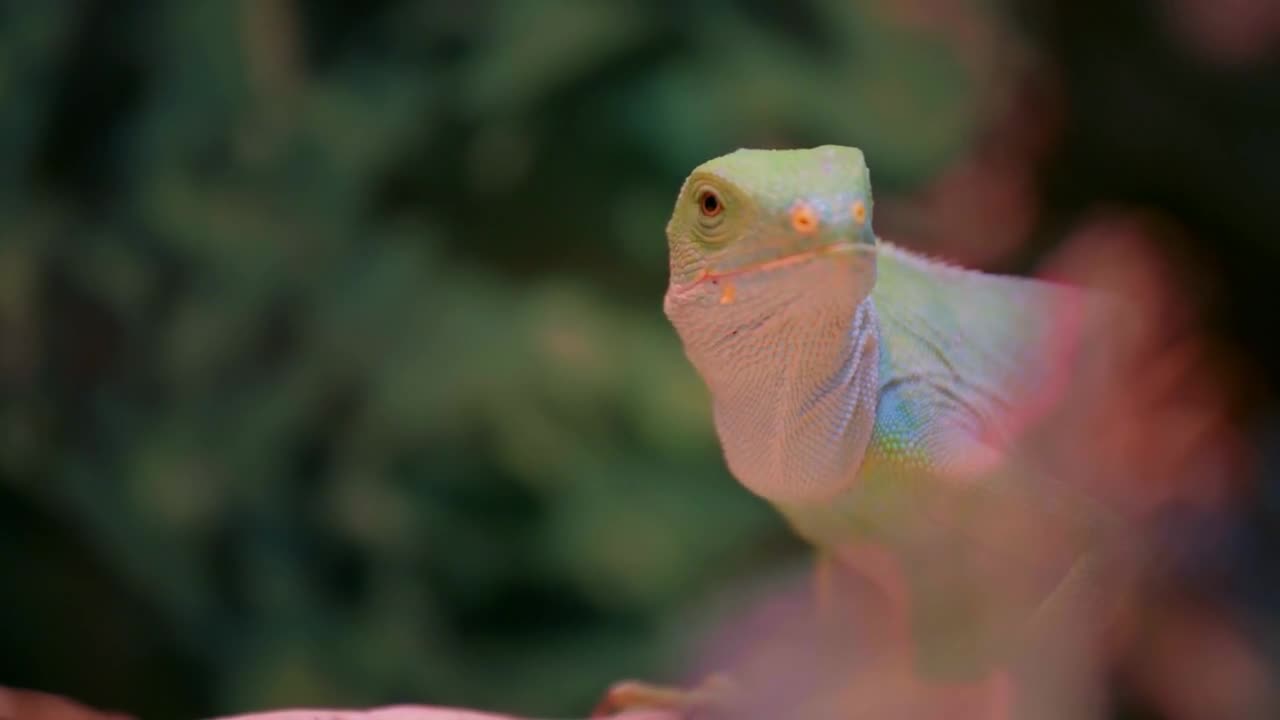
{"points": [[335, 331]]}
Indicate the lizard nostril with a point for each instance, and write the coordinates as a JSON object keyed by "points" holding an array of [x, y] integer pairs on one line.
{"points": [[859, 212], [803, 218]]}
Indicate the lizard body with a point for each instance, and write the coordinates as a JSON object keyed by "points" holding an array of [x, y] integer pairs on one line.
{"points": [[877, 399], [873, 395]]}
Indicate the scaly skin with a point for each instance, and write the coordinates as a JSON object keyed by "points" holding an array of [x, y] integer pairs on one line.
{"points": [[873, 397]]}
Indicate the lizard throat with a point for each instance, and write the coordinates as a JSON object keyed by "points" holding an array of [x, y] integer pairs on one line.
{"points": [[792, 375]]}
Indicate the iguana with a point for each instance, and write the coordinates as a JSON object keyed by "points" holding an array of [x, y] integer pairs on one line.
{"points": [[875, 398]]}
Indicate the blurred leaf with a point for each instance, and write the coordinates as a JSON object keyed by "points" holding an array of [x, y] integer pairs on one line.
{"points": [[337, 329]]}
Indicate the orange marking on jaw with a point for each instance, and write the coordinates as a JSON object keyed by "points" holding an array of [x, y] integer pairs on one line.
{"points": [[803, 218], [795, 259], [859, 211], [726, 295]]}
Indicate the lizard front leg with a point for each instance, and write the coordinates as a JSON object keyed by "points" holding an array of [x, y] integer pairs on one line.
{"points": [[872, 619], [834, 593], [710, 697]]}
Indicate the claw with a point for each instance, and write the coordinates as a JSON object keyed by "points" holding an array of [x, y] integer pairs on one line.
{"points": [[711, 693]]}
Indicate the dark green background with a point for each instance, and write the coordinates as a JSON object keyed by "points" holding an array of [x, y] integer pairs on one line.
{"points": [[331, 346]]}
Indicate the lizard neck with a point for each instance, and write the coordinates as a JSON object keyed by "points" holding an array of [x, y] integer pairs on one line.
{"points": [[793, 385]]}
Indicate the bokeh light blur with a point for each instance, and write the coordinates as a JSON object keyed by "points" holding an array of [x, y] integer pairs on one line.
{"points": [[334, 369]]}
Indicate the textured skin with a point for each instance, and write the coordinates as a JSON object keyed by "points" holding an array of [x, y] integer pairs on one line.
{"points": [[873, 395], [791, 361]]}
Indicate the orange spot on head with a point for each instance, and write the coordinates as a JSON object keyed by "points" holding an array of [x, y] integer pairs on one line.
{"points": [[803, 218], [859, 211], [726, 295]]}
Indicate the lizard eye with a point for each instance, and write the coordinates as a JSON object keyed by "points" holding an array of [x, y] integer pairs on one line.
{"points": [[710, 204]]}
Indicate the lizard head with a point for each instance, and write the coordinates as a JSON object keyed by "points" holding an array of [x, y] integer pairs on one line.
{"points": [[751, 221], [772, 257]]}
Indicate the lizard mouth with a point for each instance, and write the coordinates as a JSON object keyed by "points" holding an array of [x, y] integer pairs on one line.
{"points": [[839, 248]]}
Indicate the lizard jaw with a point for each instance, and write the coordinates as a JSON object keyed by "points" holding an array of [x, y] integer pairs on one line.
{"points": [[839, 248]]}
